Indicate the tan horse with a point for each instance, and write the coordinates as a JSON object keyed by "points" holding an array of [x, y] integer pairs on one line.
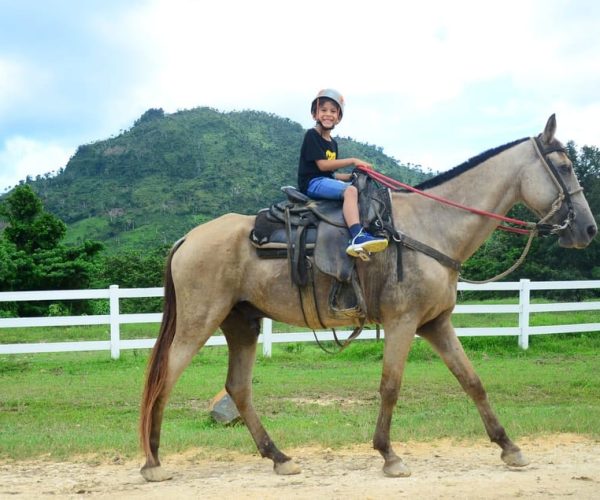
{"points": [[214, 279]]}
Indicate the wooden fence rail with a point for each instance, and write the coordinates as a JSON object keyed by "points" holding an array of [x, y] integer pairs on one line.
{"points": [[523, 330]]}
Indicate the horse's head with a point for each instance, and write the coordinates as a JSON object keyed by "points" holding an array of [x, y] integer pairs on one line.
{"points": [[550, 188]]}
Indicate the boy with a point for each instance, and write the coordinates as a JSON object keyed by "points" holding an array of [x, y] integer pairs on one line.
{"points": [[318, 162]]}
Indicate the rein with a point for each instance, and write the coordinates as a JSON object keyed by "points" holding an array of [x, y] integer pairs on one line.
{"points": [[397, 186], [529, 228]]}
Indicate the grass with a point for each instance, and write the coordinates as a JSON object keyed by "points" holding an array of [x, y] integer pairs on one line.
{"points": [[66, 404]]}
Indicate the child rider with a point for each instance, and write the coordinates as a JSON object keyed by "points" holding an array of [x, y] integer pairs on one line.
{"points": [[318, 162]]}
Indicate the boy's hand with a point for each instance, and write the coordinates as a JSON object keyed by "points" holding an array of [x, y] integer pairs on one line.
{"points": [[364, 164]]}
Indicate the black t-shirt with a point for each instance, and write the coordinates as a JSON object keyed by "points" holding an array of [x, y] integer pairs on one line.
{"points": [[314, 148]]}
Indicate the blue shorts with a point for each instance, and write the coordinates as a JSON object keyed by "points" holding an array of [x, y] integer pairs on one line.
{"points": [[326, 188]]}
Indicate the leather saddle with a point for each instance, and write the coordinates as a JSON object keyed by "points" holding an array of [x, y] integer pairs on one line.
{"points": [[301, 227]]}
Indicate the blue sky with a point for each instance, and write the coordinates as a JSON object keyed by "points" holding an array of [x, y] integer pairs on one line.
{"points": [[431, 82]]}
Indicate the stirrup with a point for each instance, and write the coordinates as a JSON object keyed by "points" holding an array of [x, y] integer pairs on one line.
{"points": [[361, 253]]}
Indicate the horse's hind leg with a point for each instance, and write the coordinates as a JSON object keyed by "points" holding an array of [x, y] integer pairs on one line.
{"points": [[179, 359], [441, 335], [174, 358], [241, 329]]}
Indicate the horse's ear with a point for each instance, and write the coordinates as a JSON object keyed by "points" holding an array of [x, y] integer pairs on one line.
{"points": [[550, 129]]}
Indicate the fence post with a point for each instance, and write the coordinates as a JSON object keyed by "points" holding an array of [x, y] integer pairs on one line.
{"points": [[267, 333], [524, 302], [115, 337]]}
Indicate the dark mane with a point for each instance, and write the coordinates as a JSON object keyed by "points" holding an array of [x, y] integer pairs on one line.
{"points": [[469, 164]]}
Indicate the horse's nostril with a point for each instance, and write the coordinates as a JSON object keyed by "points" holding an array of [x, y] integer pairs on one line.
{"points": [[592, 230]]}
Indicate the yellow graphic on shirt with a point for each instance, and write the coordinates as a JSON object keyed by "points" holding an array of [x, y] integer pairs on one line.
{"points": [[330, 155]]}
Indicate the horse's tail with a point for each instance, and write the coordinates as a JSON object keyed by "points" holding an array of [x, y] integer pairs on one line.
{"points": [[157, 366]]}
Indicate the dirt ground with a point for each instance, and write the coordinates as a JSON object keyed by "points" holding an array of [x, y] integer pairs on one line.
{"points": [[561, 466]]}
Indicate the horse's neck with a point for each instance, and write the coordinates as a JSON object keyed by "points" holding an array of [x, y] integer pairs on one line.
{"points": [[491, 186]]}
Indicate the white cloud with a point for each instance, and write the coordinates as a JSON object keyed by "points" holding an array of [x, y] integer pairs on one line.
{"points": [[22, 157], [22, 83], [578, 123], [12, 82]]}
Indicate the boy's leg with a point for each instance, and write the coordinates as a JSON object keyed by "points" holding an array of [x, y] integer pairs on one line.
{"points": [[361, 240], [350, 207], [326, 188], [332, 189]]}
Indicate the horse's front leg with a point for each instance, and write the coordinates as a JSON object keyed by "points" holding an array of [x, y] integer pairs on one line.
{"points": [[398, 339], [441, 335]]}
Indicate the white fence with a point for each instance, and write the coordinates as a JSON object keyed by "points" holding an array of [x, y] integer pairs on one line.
{"points": [[115, 344]]}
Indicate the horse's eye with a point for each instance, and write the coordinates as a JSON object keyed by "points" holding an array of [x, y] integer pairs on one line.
{"points": [[565, 169]]}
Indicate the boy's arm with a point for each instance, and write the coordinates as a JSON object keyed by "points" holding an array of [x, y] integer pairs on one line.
{"points": [[329, 165]]}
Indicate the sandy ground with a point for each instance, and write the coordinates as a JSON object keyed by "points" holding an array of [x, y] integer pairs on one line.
{"points": [[562, 466]]}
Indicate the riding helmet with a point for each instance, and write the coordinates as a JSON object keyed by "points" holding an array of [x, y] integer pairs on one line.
{"points": [[332, 94]]}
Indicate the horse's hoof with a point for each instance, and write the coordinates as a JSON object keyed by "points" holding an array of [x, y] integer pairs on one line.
{"points": [[396, 468], [155, 474], [514, 458], [287, 468]]}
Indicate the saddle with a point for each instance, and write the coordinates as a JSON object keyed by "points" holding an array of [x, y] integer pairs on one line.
{"points": [[313, 233]]}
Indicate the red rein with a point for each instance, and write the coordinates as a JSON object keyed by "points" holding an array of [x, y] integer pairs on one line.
{"points": [[395, 185]]}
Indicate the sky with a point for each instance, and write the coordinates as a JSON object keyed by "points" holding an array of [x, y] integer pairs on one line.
{"points": [[433, 83]]}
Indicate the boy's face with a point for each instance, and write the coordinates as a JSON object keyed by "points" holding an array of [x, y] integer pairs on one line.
{"points": [[327, 113]]}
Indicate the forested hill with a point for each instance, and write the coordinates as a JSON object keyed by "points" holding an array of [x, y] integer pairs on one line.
{"points": [[152, 183]]}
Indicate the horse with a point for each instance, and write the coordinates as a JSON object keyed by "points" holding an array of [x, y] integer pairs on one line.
{"points": [[213, 279]]}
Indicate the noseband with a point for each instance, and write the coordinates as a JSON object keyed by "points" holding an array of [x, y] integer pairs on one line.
{"points": [[564, 195]]}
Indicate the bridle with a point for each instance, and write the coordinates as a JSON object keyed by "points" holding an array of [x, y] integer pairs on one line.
{"points": [[564, 195]]}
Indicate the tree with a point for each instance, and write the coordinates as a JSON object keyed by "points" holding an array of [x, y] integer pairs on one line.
{"points": [[135, 269], [8, 266], [149, 115], [31, 253], [29, 227]]}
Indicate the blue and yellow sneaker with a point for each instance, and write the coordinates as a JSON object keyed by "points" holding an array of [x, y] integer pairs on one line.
{"points": [[365, 243]]}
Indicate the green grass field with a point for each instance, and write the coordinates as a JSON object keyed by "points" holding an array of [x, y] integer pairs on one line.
{"points": [[72, 404]]}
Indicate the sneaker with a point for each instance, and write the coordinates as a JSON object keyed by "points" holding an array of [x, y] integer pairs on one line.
{"points": [[365, 242]]}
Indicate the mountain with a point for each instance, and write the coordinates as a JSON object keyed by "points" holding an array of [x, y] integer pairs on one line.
{"points": [[151, 184]]}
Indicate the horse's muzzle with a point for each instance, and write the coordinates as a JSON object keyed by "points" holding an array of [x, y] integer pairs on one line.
{"points": [[571, 238]]}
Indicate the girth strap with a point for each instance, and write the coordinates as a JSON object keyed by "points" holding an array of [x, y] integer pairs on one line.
{"points": [[402, 239]]}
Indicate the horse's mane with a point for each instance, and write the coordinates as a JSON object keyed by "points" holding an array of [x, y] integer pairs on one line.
{"points": [[469, 164]]}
